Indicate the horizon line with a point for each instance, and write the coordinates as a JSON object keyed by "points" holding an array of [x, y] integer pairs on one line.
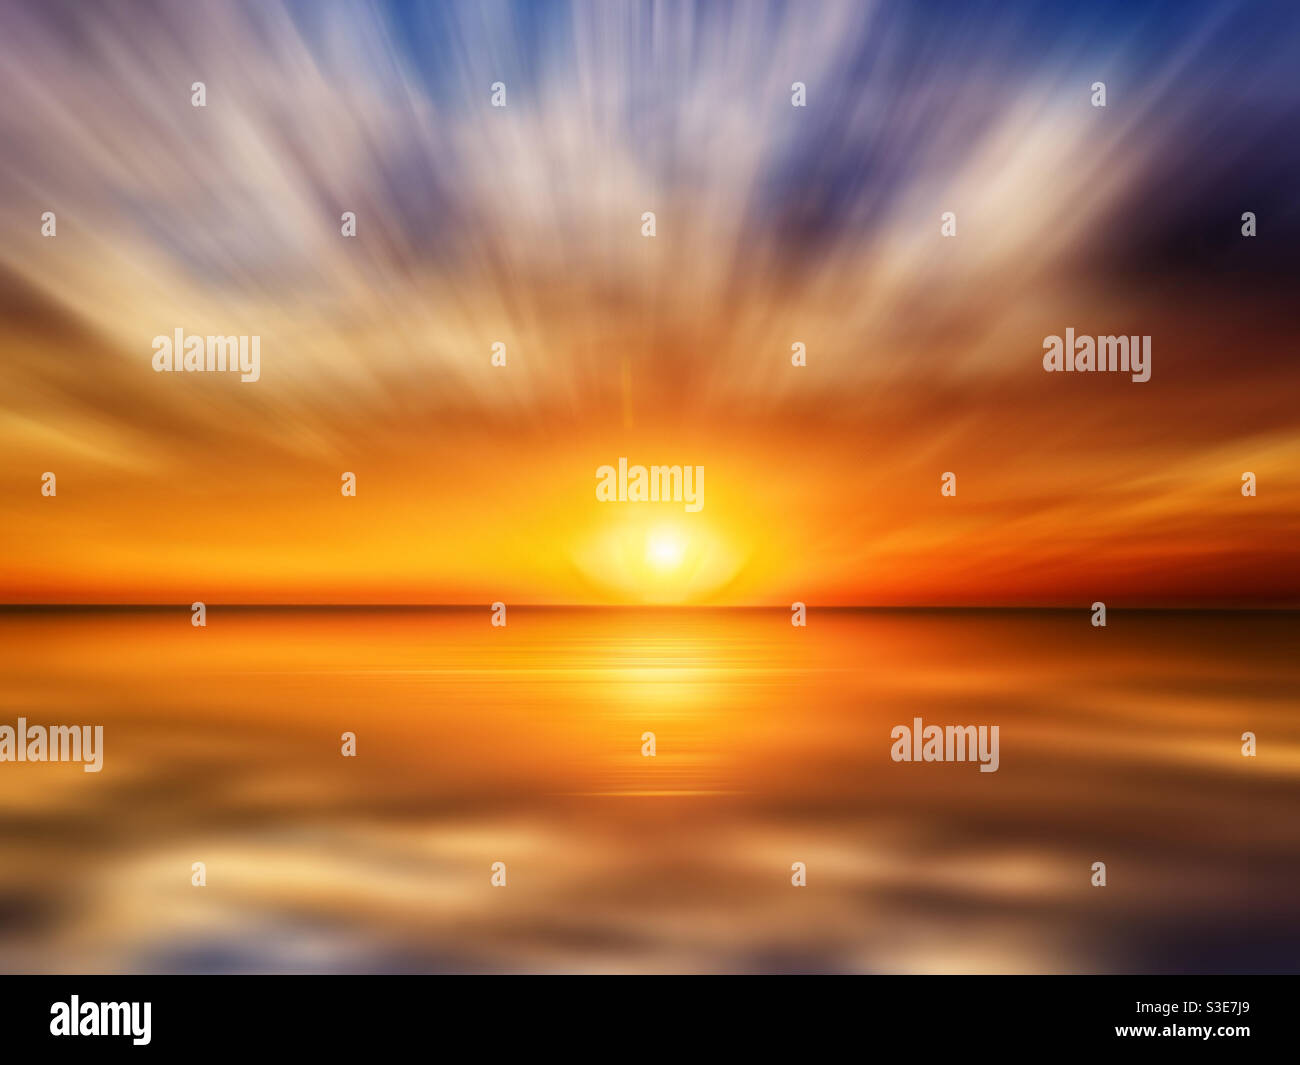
{"points": [[1059, 608]]}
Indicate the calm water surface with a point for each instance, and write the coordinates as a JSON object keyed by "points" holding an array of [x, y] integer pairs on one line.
{"points": [[523, 745]]}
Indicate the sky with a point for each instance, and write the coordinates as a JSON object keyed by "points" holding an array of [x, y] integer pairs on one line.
{"points": [[774, 225]]}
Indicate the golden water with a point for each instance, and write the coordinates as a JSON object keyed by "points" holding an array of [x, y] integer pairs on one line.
{"points": [[523, 745]]}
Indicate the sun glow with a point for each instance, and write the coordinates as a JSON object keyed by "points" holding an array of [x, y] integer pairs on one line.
{"points": [[641, 558], [665, 549]]}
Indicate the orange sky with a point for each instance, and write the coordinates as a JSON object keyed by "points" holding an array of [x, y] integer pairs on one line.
{"points": [[477, 483]]}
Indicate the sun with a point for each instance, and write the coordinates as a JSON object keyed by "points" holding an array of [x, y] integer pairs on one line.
{"points": [[638, 557], [664, 549]]}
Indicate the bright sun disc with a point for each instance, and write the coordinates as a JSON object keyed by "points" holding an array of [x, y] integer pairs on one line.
{"points": [[664, 550]]}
